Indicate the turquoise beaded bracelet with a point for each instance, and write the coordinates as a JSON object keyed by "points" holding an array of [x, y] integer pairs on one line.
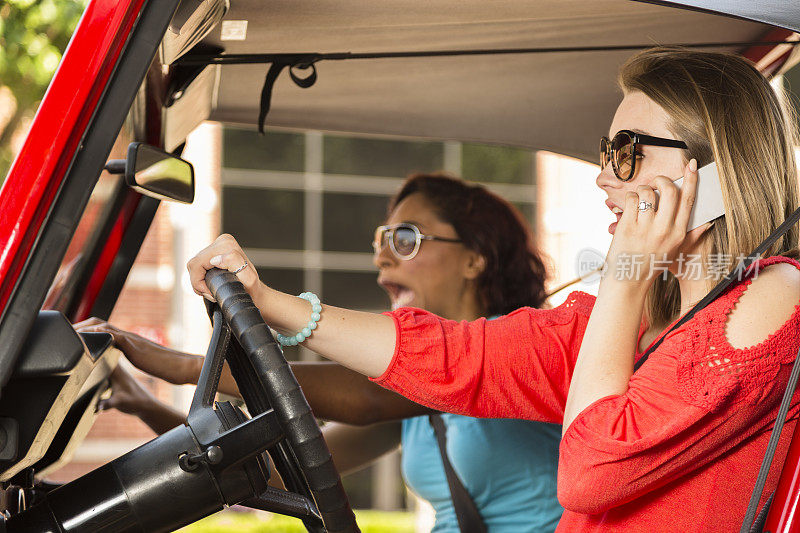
{"points": [[303, 334]]}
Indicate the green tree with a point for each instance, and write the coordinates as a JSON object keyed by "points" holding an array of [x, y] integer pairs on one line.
{"points": [[33, 36]]}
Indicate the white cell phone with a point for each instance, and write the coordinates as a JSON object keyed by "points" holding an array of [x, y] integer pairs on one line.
{"points": [[708, 203]]}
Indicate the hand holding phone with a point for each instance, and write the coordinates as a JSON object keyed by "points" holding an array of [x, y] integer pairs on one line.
{"points": [[708, 203]]}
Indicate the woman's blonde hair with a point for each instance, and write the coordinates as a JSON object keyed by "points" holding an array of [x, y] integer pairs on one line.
{"points": [[726, 111]]}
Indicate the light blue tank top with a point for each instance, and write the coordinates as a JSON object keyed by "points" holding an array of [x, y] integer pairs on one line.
{"points": [[508, 467]]}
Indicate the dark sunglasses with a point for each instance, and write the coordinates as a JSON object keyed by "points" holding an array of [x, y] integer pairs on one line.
{"points": [[403, 239], [621, 151]]}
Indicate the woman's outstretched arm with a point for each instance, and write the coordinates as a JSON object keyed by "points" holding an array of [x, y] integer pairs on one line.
{"points": [[333, 391], [130, 397], [361, 341], [517, 366], [339, 394], [353, 447]]}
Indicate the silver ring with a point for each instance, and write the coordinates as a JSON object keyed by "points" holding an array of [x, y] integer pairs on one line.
{"points": [[240, 268], [644, 206]]}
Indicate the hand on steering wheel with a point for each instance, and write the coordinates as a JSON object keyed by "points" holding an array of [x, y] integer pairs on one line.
{"points": [[226, 254], [266, 382]]}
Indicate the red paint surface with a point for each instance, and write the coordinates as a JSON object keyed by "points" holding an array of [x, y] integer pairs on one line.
{"points": [[107, 257], [60, 124]]}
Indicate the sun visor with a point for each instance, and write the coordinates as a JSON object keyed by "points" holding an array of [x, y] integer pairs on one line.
{"points": [[190, 103], [193, 20]]}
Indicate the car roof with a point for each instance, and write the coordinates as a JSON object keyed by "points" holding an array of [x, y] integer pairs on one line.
{"points": [[558, 101]]}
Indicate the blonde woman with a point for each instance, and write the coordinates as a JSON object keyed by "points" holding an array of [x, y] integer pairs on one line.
{"points": [[676, 445]]}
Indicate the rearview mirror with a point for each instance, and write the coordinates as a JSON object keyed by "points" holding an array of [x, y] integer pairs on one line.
{"points": [[156, 173]]}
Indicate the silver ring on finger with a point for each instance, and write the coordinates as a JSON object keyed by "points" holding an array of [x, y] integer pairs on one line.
{"points": [[644, 206], [240, 268]]}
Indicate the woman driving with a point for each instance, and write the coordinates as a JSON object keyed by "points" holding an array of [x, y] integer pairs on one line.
{"points": [[675, 445]]}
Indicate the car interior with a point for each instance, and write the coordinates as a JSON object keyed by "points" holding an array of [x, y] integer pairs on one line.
{"points": [[508, 73]]}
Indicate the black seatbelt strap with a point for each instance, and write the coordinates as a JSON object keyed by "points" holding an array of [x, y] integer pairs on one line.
{"points": [[748, 524], [469, 519]]}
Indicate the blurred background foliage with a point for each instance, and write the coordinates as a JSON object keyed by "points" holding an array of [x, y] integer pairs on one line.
{"points": [[33, 36]]}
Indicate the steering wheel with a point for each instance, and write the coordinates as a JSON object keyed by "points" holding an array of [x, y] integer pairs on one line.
{"points": [[270, 391]]}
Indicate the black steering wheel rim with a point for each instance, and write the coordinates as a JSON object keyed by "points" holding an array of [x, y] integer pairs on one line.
{"points": [[266, 381]]}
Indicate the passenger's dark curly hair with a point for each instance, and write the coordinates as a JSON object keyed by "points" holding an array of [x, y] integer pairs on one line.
{"points": [[515, 275]]}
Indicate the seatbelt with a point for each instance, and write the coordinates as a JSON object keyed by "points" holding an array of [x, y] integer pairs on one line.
{"points": [[469, 519], [772, 445]]}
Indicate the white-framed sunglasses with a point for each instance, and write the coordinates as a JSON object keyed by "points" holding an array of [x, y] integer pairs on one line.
{"points": [[403, 239]]}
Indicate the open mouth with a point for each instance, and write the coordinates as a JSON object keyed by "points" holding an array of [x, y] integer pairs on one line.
{"points": [[400, 295], [617, 211]]}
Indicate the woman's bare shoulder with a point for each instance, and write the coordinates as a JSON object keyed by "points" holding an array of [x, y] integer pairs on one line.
{"points": [[767, 304]]}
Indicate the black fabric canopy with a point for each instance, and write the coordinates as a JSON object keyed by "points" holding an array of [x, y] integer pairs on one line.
{"points": [[560, 101]]}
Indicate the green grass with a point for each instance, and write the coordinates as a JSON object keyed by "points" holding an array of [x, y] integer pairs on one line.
{"points": [[260, 522]]}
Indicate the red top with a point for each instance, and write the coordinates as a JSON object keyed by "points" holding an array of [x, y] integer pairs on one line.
{"points": [[679, 451]]}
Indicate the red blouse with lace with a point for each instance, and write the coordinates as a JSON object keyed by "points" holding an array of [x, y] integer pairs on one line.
{"points": [[679, 451]]}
